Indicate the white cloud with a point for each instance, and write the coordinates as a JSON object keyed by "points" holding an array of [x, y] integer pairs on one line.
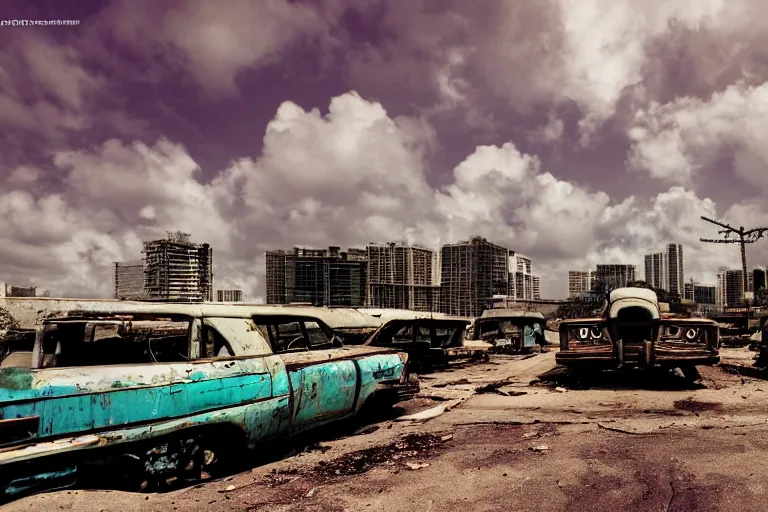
{"points": [[353, 176], [679, 140], [550, 52]]}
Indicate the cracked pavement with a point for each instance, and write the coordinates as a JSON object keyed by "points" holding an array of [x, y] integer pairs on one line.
{"points": [[520, 436]]}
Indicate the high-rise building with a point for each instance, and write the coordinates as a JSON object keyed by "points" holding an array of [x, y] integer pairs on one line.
{"points": [[536, 288], [657, 270], [664, 270], [759, 280], [720, 292], [176, 269], [611, 276], [734, 288], [520, 277], [675, 269], [578, 283], [472, 273], [400, 276], [229, 295], [129, 280], [321, 277]]}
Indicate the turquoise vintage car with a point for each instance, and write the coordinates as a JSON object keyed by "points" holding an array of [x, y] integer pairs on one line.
{"points": [[166, 391]]}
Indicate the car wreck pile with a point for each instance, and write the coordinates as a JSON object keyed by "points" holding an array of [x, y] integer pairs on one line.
{"points": [[161, 393]]}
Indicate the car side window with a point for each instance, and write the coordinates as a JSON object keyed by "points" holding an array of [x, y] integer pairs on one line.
{"points": [[214, 344], [90, 344], [286, 337], [318, 339]]}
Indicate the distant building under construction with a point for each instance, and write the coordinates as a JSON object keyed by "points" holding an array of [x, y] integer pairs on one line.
{"points": [[229, 295], [321, 277], [129, 280], [401, 276], [176, 269], [472, 273]]}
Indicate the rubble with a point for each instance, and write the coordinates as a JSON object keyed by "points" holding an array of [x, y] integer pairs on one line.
{"points": [[434, 412]]}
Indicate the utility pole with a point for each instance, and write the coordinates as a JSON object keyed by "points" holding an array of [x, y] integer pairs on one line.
{"points": [[745, 237]]}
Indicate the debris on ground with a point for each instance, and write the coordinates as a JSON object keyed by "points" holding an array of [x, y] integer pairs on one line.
{"points": [[529, 435], [434, 412], [446, 437], [494, 387], [539, 448], [409, 447], [317, 447], [311, 492], [276, 478], [454, 383], [560, 389], [417, 465]]}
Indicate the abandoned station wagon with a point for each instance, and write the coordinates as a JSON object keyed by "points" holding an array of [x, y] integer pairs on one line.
{"points": [[631, 332], [430, 339], [166, 391]]}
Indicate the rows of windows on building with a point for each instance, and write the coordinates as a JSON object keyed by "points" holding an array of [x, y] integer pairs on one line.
{"points": [[460, 279], [173, 269]]}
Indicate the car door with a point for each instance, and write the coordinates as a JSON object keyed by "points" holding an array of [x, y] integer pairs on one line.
{"points": [[323, 385]]}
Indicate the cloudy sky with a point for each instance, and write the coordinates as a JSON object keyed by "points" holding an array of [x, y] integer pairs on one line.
{"points": [[572, 131]]}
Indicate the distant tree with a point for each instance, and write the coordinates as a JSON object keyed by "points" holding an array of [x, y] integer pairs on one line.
{"points": [[581, 307]]}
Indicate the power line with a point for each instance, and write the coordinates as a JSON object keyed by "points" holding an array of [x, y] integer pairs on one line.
{"points": [[746, 236]]}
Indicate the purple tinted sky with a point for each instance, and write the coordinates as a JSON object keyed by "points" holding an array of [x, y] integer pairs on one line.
{"points": [[673, 95]]}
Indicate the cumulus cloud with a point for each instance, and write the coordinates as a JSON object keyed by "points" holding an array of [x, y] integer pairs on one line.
{"points": [[529, 54], [680, 140], [348, 177]]}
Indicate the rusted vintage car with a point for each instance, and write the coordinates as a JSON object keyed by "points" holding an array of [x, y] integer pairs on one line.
{"points": [[510, 330], [431, 341], [161, 392], [631, 332]]}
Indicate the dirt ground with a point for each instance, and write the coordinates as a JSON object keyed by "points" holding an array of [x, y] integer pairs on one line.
{"points": [[519, 434]]}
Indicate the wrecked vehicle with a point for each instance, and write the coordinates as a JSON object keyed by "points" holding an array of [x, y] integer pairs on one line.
{"points": [[165, 392], [430, 342], [631, 332], [510, 330], [735, 328], [762, 343]]}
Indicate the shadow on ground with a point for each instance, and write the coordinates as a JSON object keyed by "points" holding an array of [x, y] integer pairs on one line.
{"points": [[645, 379]]}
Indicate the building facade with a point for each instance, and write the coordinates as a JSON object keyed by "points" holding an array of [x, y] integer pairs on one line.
{"points": [[675, 269], [664, 270], [472, 273], [734, 287], [129, 280], [703, 294], [578, 283], [8, 290], [401, 276], [229, 295], [612, 276], [520, 276], [656, 268], [759, 281], [176, 269], [536, 288], [321, 277]]}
